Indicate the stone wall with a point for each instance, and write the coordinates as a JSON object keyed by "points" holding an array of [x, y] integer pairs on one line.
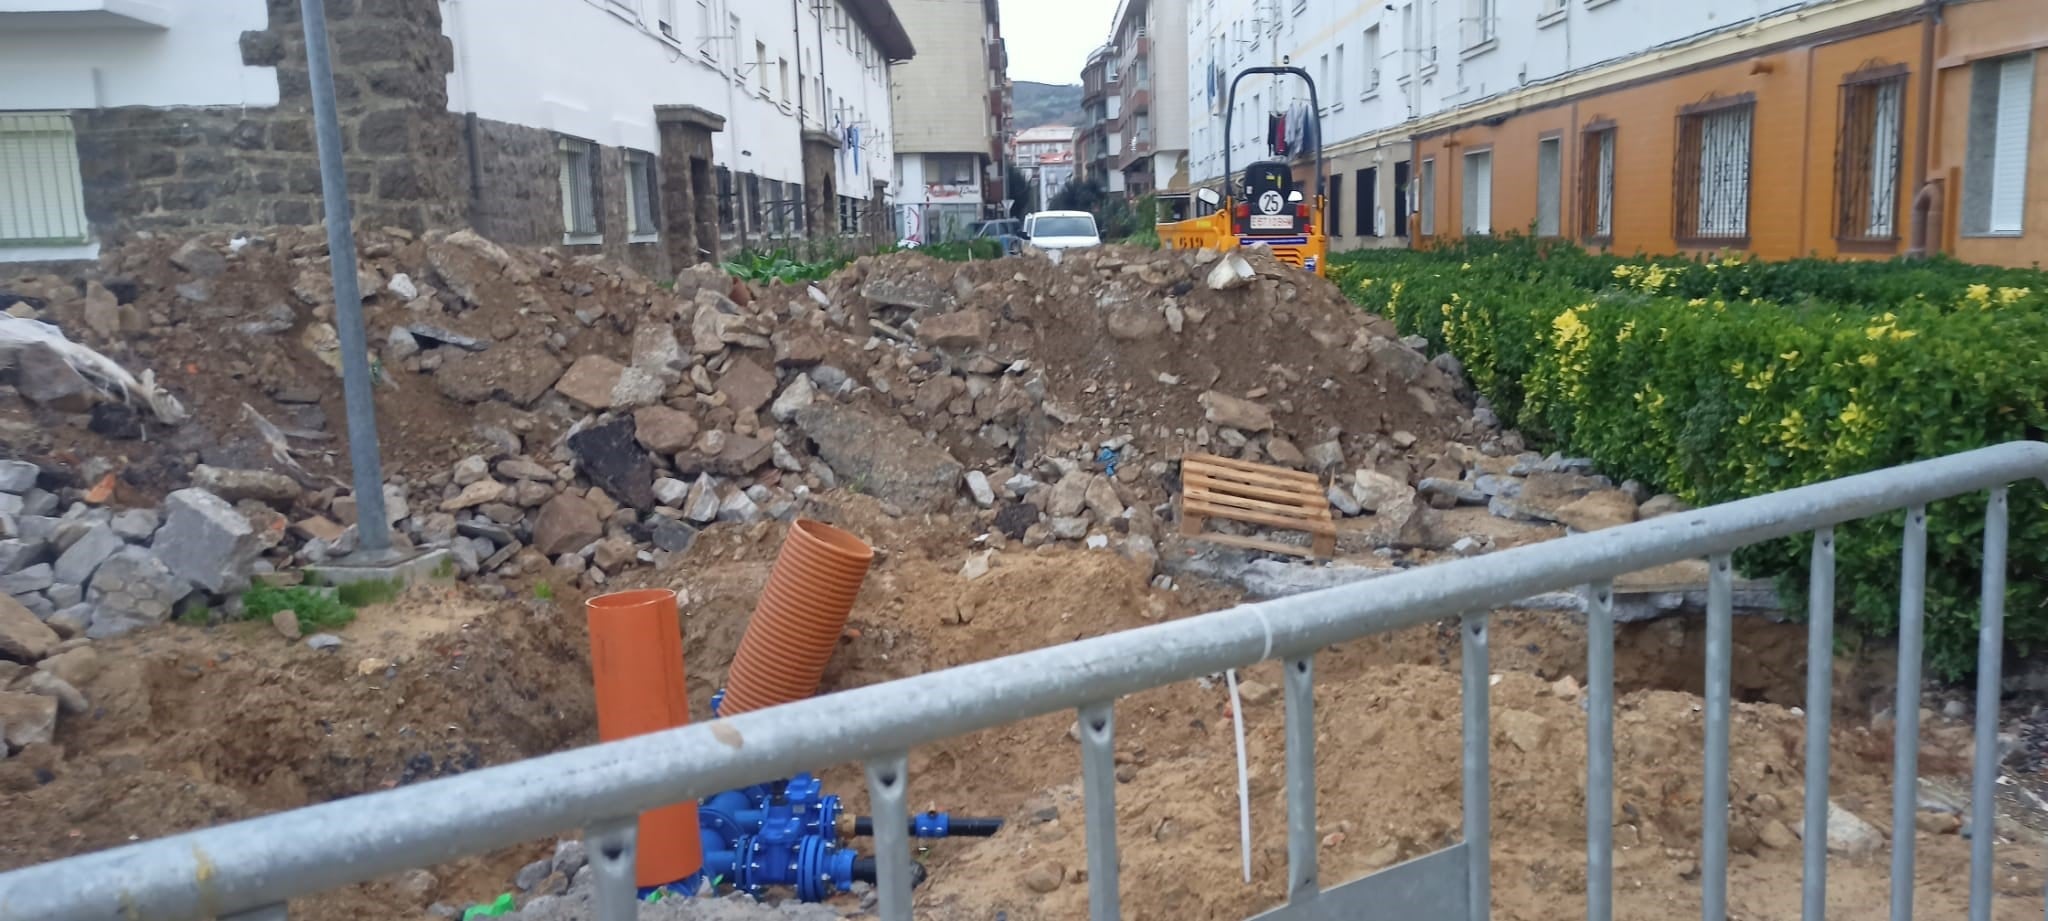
{"points": [[201, 168], [821, 184], [517, 197]]}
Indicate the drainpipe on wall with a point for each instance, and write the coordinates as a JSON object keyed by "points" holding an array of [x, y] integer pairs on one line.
{"points": [[1928, 213], [458, 34], [796, 52]]}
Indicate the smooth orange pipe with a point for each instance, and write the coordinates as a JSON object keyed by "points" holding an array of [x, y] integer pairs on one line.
{"points": [[797, 623], [636, 663]]}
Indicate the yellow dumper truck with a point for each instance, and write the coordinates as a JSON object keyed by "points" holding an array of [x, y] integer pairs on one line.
{"points": [[1267, 207]]}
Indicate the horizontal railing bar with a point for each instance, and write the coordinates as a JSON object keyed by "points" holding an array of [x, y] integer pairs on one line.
{"points": [[262, 861]]}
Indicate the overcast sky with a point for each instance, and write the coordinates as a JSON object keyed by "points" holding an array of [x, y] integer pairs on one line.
{"points": [[1050, 39]]}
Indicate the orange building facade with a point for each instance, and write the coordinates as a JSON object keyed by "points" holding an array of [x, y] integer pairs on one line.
{"points": [[1921, 130]]}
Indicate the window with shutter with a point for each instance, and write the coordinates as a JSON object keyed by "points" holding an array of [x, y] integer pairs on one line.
{"points": [[640, 197], [1995, 172], [1596, 184], [1479, 192], [1549, 186], [1425, 196], [42, 201]]}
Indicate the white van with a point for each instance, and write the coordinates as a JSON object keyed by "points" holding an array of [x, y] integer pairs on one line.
{"points": [[1061, 230]]}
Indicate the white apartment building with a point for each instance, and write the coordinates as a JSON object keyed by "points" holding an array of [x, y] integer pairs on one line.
{"points": [[1384, 69], [661, 131]]}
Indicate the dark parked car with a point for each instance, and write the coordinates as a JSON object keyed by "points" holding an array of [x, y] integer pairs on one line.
{"points": [[1006, 232]]}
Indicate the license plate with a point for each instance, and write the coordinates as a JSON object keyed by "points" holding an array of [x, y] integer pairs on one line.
{"points": [[1272, 222]]}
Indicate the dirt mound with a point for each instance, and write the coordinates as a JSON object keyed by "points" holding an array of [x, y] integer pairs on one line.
{"points": [[1129, 340], [191, 728]]}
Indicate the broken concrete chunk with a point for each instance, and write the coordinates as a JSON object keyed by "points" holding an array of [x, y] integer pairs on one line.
{"points": [[799, 394], [880, 454], [962, 329], [1234, 412], [566, 524], [747, 386], [236, 485], [27, 719], [664, 430], [23, 637], [701, 506], [979, 487]]}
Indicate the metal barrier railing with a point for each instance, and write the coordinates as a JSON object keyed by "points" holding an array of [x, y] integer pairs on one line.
{"points": [[249, 869]]}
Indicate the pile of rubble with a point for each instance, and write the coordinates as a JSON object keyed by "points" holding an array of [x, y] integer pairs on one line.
{"points": [[567, 418]]}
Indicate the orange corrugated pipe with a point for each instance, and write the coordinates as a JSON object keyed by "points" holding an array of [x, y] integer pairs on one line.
{"points": [[797, 623], [636, 662]]}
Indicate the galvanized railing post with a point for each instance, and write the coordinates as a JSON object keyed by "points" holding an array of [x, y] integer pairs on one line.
{"points": [[610, 845], [1714, 820], [1906, 711], [1600, 752], [1478, 741], [1098, 796], [1990, 652], [888, 800], [366, 464], [1301, 781], [1820, 678]]}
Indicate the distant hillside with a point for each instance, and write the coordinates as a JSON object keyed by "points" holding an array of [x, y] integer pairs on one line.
{"points": [[1037, 104]]}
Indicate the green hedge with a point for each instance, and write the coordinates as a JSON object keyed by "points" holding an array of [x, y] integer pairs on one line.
{"points": [[1722, 379]]}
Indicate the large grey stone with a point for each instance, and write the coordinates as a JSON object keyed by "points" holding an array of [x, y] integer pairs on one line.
{"points": [[137, 524], [795, 397], [33, 579], [19, 554], [132, 589], [880, 454], [78, 563], [45, 378], [17, 476], [39, 502], [71, 621], [701, 505], [206, 542]]}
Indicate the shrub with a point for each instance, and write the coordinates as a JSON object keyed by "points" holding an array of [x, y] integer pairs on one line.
{"points": [[1664, 370]]}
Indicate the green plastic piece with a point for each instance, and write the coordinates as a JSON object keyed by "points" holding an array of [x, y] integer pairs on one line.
{"points": [[503, 906]]}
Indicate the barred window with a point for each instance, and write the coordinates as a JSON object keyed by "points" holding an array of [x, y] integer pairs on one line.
{"points": [[578, 162], [1867, 156], [1713, 170]]}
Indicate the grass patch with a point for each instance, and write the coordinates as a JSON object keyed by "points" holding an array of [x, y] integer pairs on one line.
{"points": [[315, 608]]}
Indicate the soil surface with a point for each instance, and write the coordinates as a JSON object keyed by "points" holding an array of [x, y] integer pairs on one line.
{"points": [[190, 727]]}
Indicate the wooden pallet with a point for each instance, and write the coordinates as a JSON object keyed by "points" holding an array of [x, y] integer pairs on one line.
{"points": [[1235, 490]]}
